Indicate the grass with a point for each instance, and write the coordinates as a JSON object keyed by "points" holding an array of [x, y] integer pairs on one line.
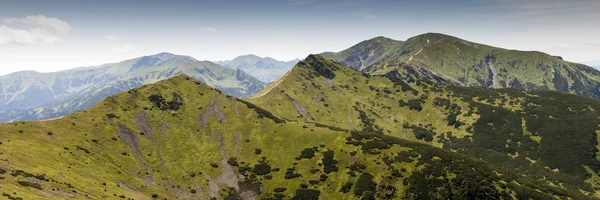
{"points": [[85, 157], [507, 127]]}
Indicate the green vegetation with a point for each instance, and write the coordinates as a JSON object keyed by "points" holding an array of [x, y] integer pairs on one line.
{"points": [[180, 139], [548, 136], [449, 60]]}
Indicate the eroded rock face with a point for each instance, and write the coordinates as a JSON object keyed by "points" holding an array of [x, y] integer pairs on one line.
{"points": [[301, 111], [212, 109], [164, 127], [130, 138], [228, 176], [143, 124]]}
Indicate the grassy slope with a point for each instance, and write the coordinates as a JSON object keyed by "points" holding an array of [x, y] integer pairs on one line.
{"points": [[449, 60], [531, 132], [128, 146]]}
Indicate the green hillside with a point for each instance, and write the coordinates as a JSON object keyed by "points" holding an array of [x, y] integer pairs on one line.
{"points": [[450, 60], [180, 139], [548, 136]]}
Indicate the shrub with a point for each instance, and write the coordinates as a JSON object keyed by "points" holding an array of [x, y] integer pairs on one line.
{"points": [[329, 164], [346, 187], [279, 189], [292, 175], [257, 151], [307, 153], [261, 168], [30, 184], [306, 194], [111, 115], [232, 161], [364, 183]]}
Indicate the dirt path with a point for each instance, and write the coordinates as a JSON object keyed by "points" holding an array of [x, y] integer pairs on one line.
{"points": [[274, 86], [411, 57], [51, 119]]}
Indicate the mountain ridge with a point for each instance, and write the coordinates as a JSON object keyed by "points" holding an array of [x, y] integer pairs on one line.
{"points": [[479, 122], [266, 69], [180, 138], [450, 60]]}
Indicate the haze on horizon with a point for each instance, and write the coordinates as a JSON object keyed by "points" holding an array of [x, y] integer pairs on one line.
{"points": [[50, 36]]}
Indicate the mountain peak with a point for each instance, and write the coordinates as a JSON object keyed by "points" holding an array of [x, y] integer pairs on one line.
{"points": [[364, 53], [381, 39], [164, 54], [24, 73], [247, 56], [319, 65]]}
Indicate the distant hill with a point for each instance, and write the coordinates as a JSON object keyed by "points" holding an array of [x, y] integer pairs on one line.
{"points": [[30, 95], [180, 139], [547, 135], [264, 68], [450, 60]]}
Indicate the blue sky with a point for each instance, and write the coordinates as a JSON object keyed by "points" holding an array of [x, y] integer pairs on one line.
{"points": [[63, 34]]}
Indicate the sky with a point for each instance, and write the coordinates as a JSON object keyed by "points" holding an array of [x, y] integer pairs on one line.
{"points": [[48, 36]]}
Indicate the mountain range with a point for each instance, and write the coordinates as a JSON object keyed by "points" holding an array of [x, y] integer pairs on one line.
{"points": [[264, 68], [30, 95], [449, 60], [384, 119], [181, 139]]}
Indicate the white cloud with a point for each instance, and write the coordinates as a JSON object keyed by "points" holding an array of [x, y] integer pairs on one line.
{"points": [[112, 37], [47, 31], [209, 29], [126, 48]]}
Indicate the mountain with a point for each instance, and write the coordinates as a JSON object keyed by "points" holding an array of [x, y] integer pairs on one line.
{"points": [[365, 53], [450, 60], [181, 139], [549, 136], [265, 69], [30, 95]]}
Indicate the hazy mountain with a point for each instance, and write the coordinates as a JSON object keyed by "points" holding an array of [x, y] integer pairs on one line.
{"points": [[548, 136], [29, 95], [180, 139], [450, 60], [265, 69]]}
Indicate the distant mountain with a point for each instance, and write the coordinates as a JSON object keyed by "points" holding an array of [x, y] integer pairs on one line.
{"points": [[450, 60], [30, 95], [264, 68], [548, 136], [365, 53]]}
